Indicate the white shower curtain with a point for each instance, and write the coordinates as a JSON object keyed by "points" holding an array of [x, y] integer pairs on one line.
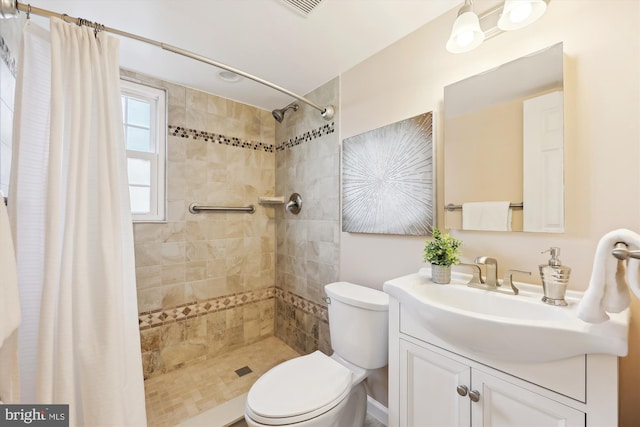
{"points": [[71, 219]]}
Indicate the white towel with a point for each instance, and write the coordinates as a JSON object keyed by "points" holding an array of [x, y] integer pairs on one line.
{"points": [[632, 276], [486, 216], [9, 312], [611, 279]]}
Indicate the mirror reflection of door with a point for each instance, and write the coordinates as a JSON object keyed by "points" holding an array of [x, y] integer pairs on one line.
{"points": [[543, 155]]}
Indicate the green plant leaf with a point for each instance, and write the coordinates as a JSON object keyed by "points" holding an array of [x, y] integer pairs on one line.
{"points": [[443, 249]]}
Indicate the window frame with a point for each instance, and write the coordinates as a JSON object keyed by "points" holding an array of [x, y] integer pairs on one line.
{"points": [[157, 98]]}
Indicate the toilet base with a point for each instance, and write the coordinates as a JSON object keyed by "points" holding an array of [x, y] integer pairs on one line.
{"points": [[351, 411]]}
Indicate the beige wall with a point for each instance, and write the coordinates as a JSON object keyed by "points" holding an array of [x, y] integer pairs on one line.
{"points": [[602, 150], [482, 163]]}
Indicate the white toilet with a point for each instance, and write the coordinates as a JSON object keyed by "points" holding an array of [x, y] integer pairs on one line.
{"points": [[320, 390]]}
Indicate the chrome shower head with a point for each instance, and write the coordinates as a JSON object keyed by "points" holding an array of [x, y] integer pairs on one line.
{"points": [[279, 114]]}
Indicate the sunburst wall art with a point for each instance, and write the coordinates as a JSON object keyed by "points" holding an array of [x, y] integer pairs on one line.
{"points": [[388, 179]]}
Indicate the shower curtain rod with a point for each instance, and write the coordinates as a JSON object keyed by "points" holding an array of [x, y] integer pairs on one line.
{"points": [[9, 8]]}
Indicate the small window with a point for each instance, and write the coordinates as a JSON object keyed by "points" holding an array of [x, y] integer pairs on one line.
{"points": [[144, 118]]}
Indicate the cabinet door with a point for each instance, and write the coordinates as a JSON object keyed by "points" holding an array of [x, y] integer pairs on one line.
{"points": [[502, 404], [429, 382]]}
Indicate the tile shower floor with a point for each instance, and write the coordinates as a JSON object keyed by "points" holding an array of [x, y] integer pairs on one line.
{"points": [[176, 396]]}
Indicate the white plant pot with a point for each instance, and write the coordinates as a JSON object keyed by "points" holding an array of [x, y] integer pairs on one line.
{"points": [[441, 274]]}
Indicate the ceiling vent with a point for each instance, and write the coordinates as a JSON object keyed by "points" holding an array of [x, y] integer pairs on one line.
{"points": [[304, 7]]}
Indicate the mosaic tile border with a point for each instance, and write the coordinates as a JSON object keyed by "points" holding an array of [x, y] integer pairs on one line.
{"points": [[5, 54], [310, 307], [156, 318], [307, 136], [195, 134], [183, 132]]}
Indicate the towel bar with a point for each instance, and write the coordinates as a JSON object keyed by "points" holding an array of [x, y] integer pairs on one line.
{"points": [[451, 207], [622, 252]]}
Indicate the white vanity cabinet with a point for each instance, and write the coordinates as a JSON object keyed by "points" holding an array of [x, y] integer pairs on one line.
{"points": [[435, 384], [443, 391]]}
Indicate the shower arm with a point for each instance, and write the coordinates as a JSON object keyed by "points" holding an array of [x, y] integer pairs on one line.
{"points": [[9, 8]]}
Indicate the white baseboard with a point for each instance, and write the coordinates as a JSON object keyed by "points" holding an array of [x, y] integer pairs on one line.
{"points": [[377, 410]]}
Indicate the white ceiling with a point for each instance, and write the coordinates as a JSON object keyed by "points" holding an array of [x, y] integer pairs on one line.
{"points": [[266, 38]]}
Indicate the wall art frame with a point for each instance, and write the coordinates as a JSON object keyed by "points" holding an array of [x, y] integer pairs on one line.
{"points": [[389, 179]]}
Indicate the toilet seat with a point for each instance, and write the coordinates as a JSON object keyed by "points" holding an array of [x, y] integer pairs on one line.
{"points": [[298, 390]]}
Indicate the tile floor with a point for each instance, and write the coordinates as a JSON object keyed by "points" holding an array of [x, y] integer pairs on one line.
{"points": [[176, 396]]}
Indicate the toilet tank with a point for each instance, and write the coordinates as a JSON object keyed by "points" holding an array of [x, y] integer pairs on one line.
{"points": [[359, 324]]}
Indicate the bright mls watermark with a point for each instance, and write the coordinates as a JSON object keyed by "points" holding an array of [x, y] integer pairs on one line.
{"points": [[34, 415]]}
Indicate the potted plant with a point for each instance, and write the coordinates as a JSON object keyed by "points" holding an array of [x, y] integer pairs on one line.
{"points": [[442, 252]]}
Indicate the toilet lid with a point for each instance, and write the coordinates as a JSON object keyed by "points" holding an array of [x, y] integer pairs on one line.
{"points": [[307, 385]]}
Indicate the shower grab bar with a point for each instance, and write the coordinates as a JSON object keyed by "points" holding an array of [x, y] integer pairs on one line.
{"points": [[451, 207], [195, 208], [622, 252]]}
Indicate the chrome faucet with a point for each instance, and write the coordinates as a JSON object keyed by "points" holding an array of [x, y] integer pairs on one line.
{"points": [[491, 282], [509, 281], [492, 270], [477, 274]]}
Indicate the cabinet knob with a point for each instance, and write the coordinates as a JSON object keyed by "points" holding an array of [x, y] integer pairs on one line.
{"points": [[474, 395], [462, 390]]}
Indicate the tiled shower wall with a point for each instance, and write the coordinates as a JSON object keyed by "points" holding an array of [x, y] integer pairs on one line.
{"points": [[206, 281], [307, 162]]}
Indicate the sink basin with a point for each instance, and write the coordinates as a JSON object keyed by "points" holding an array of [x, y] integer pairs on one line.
{"points": [[516, 328]]}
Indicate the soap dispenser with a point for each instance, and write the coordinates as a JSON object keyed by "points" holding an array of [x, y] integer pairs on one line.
{"points": [[555, 278]]}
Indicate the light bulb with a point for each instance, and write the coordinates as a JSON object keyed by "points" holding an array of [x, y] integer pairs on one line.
{"points": [[464, 39], [520, 13]]}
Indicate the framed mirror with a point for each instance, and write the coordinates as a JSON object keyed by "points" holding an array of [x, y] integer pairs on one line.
{"points": [[504, 142]]}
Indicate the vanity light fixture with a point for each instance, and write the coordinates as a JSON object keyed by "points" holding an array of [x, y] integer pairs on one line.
{"points": [[517, 14], [469, 30], [466, 34]]}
